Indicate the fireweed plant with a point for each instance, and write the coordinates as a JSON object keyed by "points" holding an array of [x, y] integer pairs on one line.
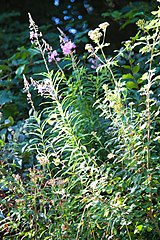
{"points": [[95, 140]]}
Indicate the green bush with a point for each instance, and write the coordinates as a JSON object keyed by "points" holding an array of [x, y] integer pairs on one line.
{"points": [[93, 142]]}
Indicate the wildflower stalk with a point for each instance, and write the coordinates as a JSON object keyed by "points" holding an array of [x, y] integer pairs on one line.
{"points": [[36, 35], [43, 56], [95, 36]]}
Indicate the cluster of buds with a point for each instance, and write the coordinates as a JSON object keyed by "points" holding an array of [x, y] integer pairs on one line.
{"points": [[43, 87], [34, 32], [96, 34], [89, 48], [43, 160], [35, 175], [34, 36], [56, 182], [103, 26], [16, 177], [26, 90]]}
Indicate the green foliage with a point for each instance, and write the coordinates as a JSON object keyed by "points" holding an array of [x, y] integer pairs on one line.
{"points": [[93, 143], [131, 13], [11, 29]]}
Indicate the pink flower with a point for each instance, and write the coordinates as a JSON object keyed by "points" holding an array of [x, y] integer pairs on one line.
{"points": [[52, 56], [58, 59], [67, 47]]}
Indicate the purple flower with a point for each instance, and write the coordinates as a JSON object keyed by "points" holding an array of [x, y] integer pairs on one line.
{"points": [[95, 63], [52, 56], [67, 47], [93, 67]]}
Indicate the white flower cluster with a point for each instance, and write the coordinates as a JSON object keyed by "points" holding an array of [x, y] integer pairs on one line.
{"points": [[95, 34]]}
